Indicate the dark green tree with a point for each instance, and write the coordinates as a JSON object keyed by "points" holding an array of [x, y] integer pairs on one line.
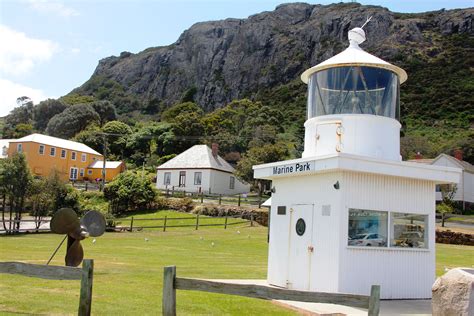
{"points": [[45, 110], [72, 120], [106, 111]]}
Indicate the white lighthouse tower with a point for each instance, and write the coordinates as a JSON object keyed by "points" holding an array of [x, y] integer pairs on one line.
{"points": [[350, 214]]}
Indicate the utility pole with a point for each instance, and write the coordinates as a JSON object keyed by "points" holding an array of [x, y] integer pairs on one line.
{"points": [[105, 159]]}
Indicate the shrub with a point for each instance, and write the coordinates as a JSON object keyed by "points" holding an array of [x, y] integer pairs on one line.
{"points": [[130, 191]]}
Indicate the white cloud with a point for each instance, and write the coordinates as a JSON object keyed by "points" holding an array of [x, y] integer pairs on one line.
{"points": [[52, 7], [75, 50], [20, 53], [10, 91]]}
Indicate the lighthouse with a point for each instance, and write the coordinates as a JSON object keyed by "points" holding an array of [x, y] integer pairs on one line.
{"points": [[350, 213]]}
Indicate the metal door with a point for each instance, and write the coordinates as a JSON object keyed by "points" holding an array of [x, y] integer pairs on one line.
{"points": [[329, 138], [300, 247]]}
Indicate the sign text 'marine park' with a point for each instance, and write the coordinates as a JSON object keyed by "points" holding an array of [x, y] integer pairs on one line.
{"points": [[294, 168]]}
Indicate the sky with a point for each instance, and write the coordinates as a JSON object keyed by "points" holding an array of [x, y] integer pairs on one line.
{"points": [[49, 47]]}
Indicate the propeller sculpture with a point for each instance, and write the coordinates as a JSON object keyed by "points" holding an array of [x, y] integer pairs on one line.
{"points": [[65, 221]]}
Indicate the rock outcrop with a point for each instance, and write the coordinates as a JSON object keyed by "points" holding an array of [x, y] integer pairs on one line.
{"points": [[230, 59]]}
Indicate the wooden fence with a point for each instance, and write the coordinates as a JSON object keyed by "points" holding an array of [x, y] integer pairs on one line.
{"points": [[85, 274], [137, 223], [171, 283], [195, 222], [221, 199]]}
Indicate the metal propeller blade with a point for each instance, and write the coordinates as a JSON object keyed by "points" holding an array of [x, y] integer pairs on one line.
{"points": [[75, 253], [65, 221], [94, 223]]}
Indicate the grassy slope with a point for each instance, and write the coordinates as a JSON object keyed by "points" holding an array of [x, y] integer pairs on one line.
{"points": [[128, 271]]}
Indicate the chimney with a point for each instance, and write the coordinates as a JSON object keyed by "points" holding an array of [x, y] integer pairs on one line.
{"points": [[418, 155], [215, 149], [458, 154]]}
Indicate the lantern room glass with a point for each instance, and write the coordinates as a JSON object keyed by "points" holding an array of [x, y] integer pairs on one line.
{"points": [[354, 90]]}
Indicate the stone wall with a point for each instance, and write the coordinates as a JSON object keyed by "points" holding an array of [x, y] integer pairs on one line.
{"points": [[449, 237]]}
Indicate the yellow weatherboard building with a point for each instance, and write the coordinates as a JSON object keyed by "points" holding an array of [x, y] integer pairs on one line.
{"points": [[71, 160]]}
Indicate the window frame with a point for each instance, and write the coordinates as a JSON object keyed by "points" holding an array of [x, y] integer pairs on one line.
{"points": [[389, 239], [83, 157], [182, 179], [73, 155], [65, 154], [19, 147], [232, 183], [196, 177], [52, 151], [41, 149], [167, 176], [71, 173], [81, 172]]}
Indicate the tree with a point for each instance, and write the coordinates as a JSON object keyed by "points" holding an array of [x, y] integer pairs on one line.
{"points": [[106, 111], [117, 134], [169, 115], [130, 191], [91, 136], [23, 114], [15, 183], [72, 120], [45, 110], [447, 205]]}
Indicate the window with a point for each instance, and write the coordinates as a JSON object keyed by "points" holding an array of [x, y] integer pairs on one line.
{"points": [[182, 178], [197, 178], [84, 157], [19, 148], [52, 151], [89, 172], [408, 230], [4, 150], [81, 172], [367, 228], [167, 179], [41, 149], [232, 183], [73, 174], [63, 153], [73, 155]]}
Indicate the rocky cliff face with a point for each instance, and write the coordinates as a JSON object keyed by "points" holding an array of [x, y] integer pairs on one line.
{"points": [[234, 58]]}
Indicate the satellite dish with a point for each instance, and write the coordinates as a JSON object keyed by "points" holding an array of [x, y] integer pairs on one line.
{"points": [[65, 221]]}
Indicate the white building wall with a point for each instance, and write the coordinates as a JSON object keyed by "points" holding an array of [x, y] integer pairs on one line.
{"points": [[461, 190], [220, 184], [292, 192], [213, 181], [401, 273], [468, 186]]}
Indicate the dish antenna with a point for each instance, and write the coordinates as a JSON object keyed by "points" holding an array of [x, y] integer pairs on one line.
{"points": [[65, 221], [357, 34]]}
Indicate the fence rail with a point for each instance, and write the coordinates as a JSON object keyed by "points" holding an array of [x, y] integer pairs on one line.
{"points": [[198, 222], [171, 283], [221, 199]]}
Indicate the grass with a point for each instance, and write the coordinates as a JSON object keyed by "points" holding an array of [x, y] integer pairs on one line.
{"points": [[128, 270]]}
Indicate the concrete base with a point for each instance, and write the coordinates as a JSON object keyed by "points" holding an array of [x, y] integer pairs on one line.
{"points": [[387, 307]]}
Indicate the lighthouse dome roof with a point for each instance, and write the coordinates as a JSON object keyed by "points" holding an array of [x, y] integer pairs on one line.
{"points": [[354, 56]]}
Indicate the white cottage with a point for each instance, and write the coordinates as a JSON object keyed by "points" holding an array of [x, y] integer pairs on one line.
{"points": [[200, 169], [350, 214], [465, 187]]}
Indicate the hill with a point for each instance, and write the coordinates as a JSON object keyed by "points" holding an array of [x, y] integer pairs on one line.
{"points": [[260, 58]]}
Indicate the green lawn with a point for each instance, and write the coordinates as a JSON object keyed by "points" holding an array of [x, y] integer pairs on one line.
{"points": [[128, 270]]}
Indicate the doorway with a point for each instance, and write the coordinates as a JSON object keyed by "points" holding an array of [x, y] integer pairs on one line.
{"points": [[300, 248]]}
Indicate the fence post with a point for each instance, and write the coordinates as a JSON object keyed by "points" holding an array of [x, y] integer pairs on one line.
{"points": [[169, 292], [220, 199], [197, 222], [86, 185], [260, 201], [225, 224], [172, 191], [85, 299], [131, 225], [374, 301], [202, 197], [251, 220], [164, 224]]}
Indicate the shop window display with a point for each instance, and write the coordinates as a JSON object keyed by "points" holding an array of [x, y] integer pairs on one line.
{"points": [[367, 228], [408, 230]]}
